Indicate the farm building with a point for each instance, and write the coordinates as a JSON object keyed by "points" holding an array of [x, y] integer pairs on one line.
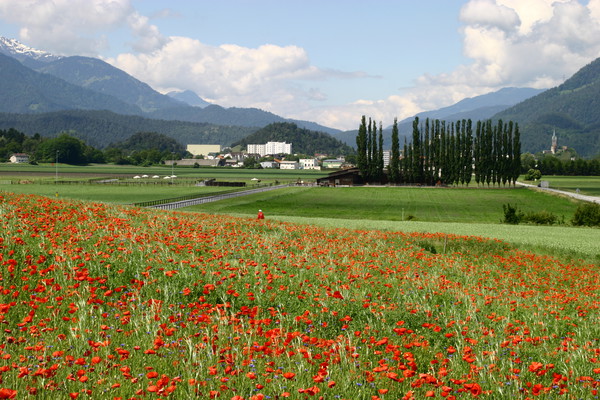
{"points": [[19, 158], [345, 177]]}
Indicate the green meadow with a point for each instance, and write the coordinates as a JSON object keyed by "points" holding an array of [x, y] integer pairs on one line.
{"points": [[589, 185], [394, 203], [463, 211]]}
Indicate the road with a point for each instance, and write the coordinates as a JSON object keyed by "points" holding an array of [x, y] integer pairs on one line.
{"points": [[578, 196]]}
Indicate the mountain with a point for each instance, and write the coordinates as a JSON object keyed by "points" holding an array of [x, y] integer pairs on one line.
{"points": [[101, 128], [475, 108], [101, 77], [23, 90], [479, 107], [30, 57], [570, 110], [190, 98], [303, 141]]}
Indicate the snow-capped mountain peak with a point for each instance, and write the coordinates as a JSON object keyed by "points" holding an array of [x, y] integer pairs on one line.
{"points": [[18, 50]]}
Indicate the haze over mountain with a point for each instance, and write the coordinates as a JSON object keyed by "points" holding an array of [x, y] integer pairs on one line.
{"points": [[475, 108], [570, 109], [23, 90], [99, 76], [190, 98]]}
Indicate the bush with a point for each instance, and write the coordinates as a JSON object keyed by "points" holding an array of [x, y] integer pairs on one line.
{"points": [[533, 175], [587, 215], [512, 215], [540, 218]]}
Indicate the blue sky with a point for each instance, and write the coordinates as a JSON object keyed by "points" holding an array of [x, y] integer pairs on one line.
{"points": [[328, 61]]}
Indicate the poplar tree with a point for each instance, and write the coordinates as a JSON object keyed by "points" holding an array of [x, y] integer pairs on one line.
{"points": [[394, 166], [361, 147], [380, 162], [516, 155], [477, 153], [417, 152]]}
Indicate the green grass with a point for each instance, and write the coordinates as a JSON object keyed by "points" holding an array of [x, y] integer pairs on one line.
{"points": [[48, 172], [39, 179], [588, 185], [111, 193], [394, 203], [565, 242]]}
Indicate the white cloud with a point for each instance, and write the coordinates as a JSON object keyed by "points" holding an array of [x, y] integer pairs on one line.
{"points": [[269, 77], [77, 27]]}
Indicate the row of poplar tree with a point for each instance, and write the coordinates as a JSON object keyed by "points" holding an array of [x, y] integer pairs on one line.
{"points": [[442, 153]]}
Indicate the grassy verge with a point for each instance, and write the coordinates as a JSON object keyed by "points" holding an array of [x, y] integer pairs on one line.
{"points": [[564, 242]]}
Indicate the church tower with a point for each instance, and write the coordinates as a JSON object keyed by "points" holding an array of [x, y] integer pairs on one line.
{"points": [[554, 143]]}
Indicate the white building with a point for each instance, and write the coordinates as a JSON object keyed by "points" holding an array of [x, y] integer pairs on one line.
{"points": [[19, 158], [203, 149], [387, 156], [289, 165], [269, 164], [270, 148], [309, 163]]}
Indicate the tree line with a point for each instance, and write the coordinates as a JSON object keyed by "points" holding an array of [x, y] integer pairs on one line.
{"points": [[442, 153], [550, 164], [142, 148]]}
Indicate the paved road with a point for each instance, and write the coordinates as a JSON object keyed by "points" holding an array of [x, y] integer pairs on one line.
{"points": [[578, 196]]}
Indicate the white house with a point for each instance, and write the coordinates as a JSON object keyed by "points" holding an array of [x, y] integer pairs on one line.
{"points": [[333, 163], [269, 164], [19, 158], [289, 165], [270, 148], [309, 163]]}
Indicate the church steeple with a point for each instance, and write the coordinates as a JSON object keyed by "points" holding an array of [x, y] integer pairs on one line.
{"points": [[554, 142]]}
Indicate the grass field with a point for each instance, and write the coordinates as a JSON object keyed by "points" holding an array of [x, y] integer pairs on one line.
{"points": [[564, 242], [112, 194], [589, 185], [48, 172], [394, 203], [463, 211]]}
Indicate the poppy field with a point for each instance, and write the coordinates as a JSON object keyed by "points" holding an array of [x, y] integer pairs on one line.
{"points": [[103, 301]]}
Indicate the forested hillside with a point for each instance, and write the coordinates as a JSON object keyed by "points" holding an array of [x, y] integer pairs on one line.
{"points": [[23, 90], [92, 73], [570, 109], [101, 128], [303, 140]]}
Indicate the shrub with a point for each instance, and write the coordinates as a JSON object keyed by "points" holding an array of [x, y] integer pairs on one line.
{"points": [[533, 175], [540, 218], [512, 215], [587, 215]]}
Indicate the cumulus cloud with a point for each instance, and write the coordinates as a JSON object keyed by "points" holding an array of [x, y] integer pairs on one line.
{"points": [[268, 77], [537, 43], [77, 27]]}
